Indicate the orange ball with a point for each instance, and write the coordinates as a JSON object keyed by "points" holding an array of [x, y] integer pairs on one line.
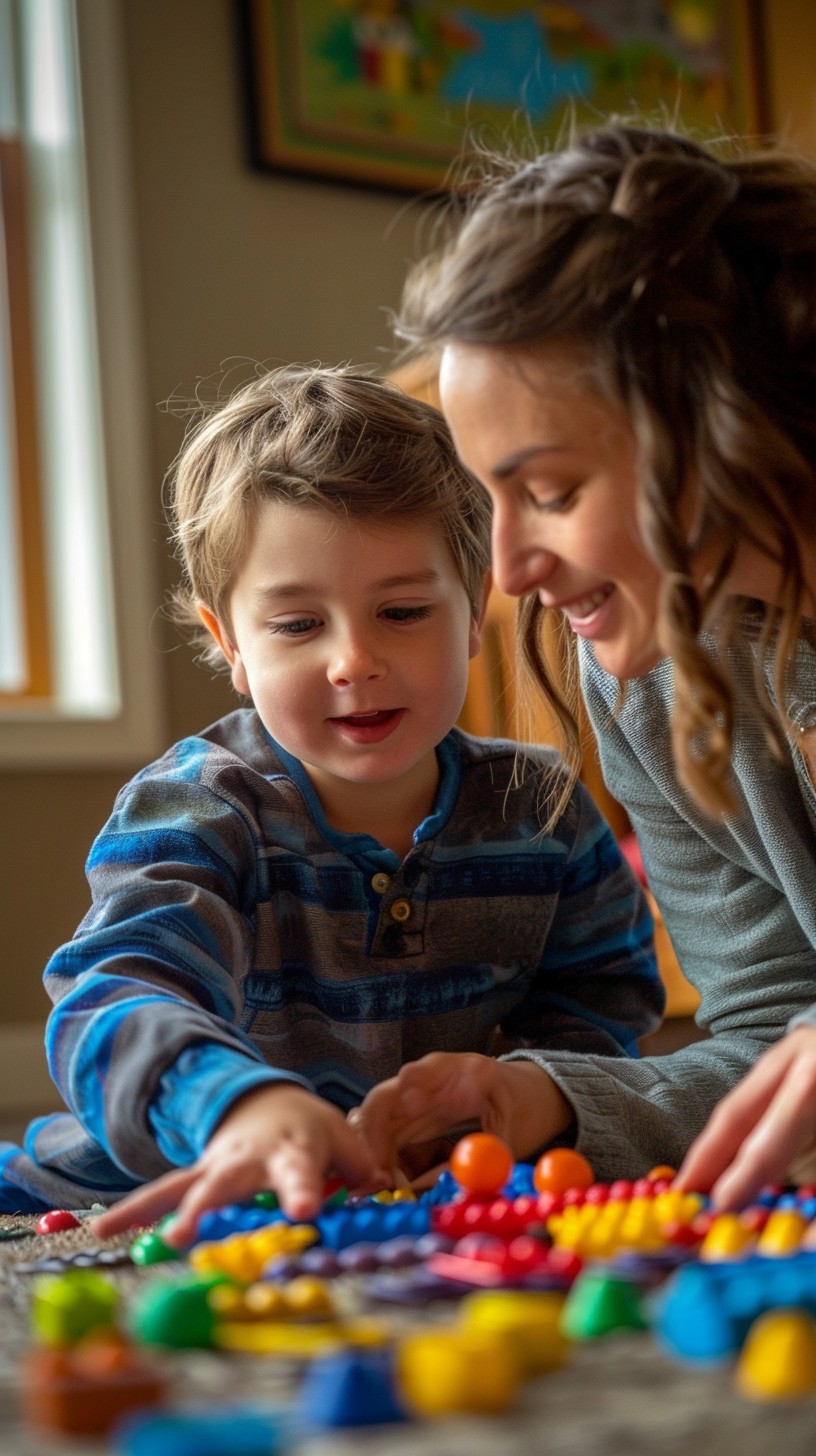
{"points": [[481, 1162], [560, 1169], [662, 1170]]}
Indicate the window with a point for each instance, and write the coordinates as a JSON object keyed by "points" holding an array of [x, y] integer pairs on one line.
{"points": [[78, 676]]}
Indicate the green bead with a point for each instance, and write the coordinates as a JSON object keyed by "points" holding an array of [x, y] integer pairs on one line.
{"points": [[150, 1248], [265, 1199]]}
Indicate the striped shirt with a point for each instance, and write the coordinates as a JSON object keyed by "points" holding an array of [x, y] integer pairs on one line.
{"points": [[236, 938]]}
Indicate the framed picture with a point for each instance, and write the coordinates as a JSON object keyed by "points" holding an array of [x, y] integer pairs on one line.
{"points": [[386, 92]]}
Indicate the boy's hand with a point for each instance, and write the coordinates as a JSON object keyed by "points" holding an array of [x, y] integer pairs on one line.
{"points": [[517, 1101], [279, 1136], [762, 1131]]}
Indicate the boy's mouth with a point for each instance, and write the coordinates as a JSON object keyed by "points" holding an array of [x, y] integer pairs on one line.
{"points": [[369, 727]]}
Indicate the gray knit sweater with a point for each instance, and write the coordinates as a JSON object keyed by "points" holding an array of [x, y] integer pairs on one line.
{"points": [[739, 902]]}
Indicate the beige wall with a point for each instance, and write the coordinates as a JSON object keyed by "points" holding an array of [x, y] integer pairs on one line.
{"points": [[235, 263]]}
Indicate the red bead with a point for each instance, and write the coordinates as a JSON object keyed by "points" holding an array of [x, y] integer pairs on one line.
{"points": [[446, 1219], [754, 1218], [482, 1248], [525, 1208], [701, 1223], [564, 1263], [55, 1221], [575, 1197], [643, 1188], [660, 1185], [620, 1191], [597, 1193], [548, 1203], [475, 1217], [501, 1219], [525, 1254], [681, 1235]]}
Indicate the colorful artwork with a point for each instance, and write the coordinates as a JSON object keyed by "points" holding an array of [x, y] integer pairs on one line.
{"points": [[387, 91]]}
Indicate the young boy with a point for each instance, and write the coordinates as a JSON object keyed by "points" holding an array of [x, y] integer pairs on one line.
{"points": [[334, 881]]}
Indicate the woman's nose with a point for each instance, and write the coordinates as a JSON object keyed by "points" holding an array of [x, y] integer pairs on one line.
{"points": [[520, 566]]}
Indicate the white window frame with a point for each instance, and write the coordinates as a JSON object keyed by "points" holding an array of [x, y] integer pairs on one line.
{"points": [[127, 729]]}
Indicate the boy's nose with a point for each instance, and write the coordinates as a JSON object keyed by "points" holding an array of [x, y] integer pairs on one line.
{"points": [[354, 661]]}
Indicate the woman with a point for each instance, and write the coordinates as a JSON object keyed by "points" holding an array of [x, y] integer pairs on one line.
{"points": [[628, 363]]}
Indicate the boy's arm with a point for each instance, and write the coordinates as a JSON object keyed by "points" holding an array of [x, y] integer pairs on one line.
{"points": [[144, 1041]]}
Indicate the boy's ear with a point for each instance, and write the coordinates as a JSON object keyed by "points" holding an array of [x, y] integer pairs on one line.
{"points": [[223, 640], [477, 623]]}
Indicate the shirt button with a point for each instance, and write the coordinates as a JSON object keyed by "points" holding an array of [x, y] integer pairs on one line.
{"points": [[400, 910], [380, 882]]}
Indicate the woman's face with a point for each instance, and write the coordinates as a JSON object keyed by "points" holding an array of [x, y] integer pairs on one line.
{"points": [[560, 464]]}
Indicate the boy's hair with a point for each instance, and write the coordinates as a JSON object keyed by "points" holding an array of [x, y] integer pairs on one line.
{"points": [[686, 283], [331, 438]]}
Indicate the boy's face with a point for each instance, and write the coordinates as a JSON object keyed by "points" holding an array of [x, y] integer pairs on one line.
{"points": [[353, 642]]}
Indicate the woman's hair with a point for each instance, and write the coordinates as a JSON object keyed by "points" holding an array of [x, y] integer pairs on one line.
{"points": [[688, 283], [335, 439]]}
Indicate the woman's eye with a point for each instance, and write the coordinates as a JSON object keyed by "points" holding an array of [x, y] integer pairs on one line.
{"points": [[552, 505], [406, 614], [296, 628]]}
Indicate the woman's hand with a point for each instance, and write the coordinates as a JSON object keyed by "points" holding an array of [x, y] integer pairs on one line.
{"points": [[402, 1119], [279, 1136], [761, 1132]]}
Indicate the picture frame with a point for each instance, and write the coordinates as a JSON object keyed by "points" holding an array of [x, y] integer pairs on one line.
{"points": [[384, 93]]}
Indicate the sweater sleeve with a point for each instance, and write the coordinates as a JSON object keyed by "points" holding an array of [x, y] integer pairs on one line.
{"points": [[144, 1041], [597, 987], [728, 908]]}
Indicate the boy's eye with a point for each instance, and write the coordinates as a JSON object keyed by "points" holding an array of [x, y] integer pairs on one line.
{"points": [[295, 627], [406, 614]]}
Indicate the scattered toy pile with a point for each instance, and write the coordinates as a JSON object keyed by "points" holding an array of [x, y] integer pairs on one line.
{"points": [[531, 1260]]}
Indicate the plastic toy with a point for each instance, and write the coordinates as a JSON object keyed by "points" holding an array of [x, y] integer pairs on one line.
{"points": [[176, 1315], [600, 1301], [707, 1310], [230, 1432], [67, 1307], [350, 1389], [151, 1248], [446, 1370], [305, 1298], [778, 1361], [560, 1169], [481, 1163], [300, 1341], [86, 1391], [530, 1322], [56, 1221], [372, 1222], [243, 1256]]}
